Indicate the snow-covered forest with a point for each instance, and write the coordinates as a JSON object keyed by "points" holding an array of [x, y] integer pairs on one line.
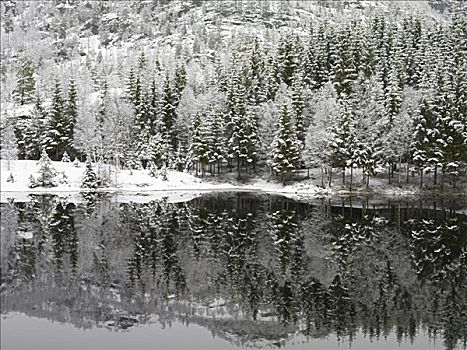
{"points": [[252, 88]]}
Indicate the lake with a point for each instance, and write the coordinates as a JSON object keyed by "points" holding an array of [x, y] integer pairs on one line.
{"points": [[233, 270]]}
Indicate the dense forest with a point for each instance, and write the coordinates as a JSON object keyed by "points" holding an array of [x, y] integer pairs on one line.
{"points": [[382, 92]]}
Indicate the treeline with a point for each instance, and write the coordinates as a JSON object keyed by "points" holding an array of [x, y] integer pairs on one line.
{"points": [[361, 95]]}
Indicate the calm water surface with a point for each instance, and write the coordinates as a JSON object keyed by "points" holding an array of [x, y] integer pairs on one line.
{"points": [[233, 270]]}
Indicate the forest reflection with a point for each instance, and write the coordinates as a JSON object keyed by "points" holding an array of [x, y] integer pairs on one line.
{"points": [[249, 268]]}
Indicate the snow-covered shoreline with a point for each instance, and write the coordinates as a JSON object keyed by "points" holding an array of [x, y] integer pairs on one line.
{"points": [[138, 185]]}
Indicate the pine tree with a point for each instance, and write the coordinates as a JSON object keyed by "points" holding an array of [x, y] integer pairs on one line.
{"points": [[393, 99], [200, 148], [35, 131], [256, 74], [342, 141], [66, 157], [168, 113], [285, 154], [46, 172], [421, 143], [344, 71], [288, 51], [218, 144], [57, 134], [159, 150], [71, 113], [25, 82], [241, 128], [298, 105], [141, 61], [89, 180], [180, 81]]}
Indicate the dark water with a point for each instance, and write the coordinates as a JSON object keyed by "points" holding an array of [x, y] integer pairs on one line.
{"points": [[233, 270]]}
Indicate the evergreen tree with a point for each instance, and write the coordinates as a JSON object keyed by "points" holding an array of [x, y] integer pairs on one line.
{"points": [[35, 131], [71, 113], [285, 154], [66, 157], [342, 141], [25, 82], [344, 70], [180, 81], [241, 126], [57, 134], [168, 107], [298, 105], [421, 142], [200, 151], [46, 173], [288, 51], [218, 144], [89, 180]]}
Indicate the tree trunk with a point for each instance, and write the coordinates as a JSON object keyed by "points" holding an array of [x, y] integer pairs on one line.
{"points": [[400, 170], [435, 174], [408, 170], [351, 176], [443, 173], [363, 176], [421, 178], [343, 176], [330, 177], [367, 181], [389, 174]]}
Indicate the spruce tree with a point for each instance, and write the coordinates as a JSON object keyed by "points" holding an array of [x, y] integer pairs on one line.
{"points": [[285, 154], [218, 141], [57, 134], [66, 157], [342, 139], [35, 133], [169, 99], [71, 113], [242, 129], [298, 105], [288, 51], [46, 172], [25, 82], [344, 70], [89, 180], [180, 81]]}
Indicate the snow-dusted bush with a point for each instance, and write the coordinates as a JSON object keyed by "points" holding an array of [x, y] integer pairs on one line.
{"points": [[76, 163], [158, 172], [10, 178], [62, 178]]}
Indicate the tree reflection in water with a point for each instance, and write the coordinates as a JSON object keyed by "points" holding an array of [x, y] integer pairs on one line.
{"points": [[248, 267]]}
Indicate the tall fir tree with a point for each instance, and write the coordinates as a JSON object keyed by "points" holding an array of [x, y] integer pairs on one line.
{"points": [[57, 135], [25, 82], [168, 112], [285, 153], [71, 114]]}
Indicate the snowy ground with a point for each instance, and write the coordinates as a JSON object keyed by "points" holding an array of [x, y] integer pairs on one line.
{"points": [[135, 186], [139, 186]]}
